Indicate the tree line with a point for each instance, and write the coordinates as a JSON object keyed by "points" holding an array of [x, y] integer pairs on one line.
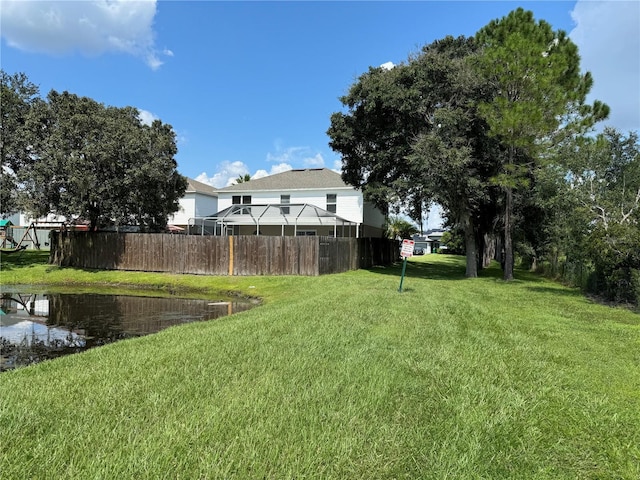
{"points": [[73, 156], [497, 130]]}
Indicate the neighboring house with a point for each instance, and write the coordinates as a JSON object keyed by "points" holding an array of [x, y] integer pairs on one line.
{"points": [[431, 241], [199, 200], [295, 202]]}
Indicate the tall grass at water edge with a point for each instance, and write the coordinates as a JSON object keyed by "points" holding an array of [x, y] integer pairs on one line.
{"points": [[340, 376]]}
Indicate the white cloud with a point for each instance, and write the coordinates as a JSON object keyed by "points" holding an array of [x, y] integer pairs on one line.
{"points": [[226, 174], [314, 162], [387, 65], [289, 154], [301, 157], [146, 117], [608, 38], [283, 159], [281, 167], [90, 27]]}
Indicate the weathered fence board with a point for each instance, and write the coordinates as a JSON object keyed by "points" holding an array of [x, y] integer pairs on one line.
{"points": [[211, 255]]}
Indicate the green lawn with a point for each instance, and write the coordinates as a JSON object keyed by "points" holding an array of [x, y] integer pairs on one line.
{"points": [[339, 376]]}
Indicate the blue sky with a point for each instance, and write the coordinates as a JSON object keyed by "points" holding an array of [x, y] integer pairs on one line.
{"points": [[249, 86]]}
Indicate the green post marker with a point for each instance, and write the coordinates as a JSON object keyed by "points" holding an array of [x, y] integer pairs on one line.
{"points": [[405, 252], [404, 267]]}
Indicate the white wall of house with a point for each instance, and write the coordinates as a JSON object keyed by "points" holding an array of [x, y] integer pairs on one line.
{"points": [[194, 204], [349, 204], [187, 208]]}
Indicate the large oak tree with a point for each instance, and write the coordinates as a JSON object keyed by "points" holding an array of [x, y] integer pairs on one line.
{"points": [[413, 132], [82, 159], [17, 96], [455, 159]]}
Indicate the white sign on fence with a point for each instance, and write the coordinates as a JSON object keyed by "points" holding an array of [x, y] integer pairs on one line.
{"points": [[407, 248]]}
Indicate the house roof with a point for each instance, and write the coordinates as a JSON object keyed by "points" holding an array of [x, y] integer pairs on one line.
{"points": [[435, 234], [199, 187], [306, 179]]}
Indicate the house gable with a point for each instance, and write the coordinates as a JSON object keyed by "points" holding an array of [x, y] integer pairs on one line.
{"points": [[199, 199]]}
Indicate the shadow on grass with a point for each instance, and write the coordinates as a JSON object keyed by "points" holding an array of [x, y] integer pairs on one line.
{"points": [[10, 261], [575, 292], [559, 290], [32, 258], [453, 267], [441, 268]]}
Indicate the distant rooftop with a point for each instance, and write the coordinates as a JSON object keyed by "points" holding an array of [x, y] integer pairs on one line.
{"points": [[310, 178], [199, 187]]}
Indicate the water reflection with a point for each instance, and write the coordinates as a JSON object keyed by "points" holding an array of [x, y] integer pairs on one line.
{"points": [[38, 326]]}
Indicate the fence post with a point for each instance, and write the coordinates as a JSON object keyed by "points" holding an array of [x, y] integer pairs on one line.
{"points": [[231, 255]]}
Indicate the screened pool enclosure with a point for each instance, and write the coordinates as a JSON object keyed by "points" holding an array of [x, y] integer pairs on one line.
{"points": [[282, 219]]}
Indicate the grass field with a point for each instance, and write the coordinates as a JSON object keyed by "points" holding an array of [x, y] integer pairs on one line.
{"points": [[339, 376]]}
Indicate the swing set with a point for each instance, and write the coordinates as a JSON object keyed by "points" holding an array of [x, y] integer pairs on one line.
{"points": [[8, 244]]}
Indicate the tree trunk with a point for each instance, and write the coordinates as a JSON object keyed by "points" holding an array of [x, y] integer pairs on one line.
{"points": [[93, 219], [480, 248], [489, 251], [470, 246], [499, 254], [508, 241]]}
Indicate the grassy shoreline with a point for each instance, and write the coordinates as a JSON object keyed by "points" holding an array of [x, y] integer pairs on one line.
{"points": [[340, 376]]}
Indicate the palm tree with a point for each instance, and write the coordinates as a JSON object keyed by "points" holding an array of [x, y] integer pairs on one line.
{"points": [[398, 228], [243, 178]]}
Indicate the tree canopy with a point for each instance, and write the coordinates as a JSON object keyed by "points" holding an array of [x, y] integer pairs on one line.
{"points": [[537, 85], [413, 133], [17, 96], [600, 202], [468, 123], [454, 159], [82, 159]]}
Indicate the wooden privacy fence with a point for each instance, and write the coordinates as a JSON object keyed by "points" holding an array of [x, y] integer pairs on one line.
{"points": [[211, 255]]}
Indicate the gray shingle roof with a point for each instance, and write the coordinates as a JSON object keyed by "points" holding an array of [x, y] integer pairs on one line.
{"points": [[310, 178], [199, 187]]}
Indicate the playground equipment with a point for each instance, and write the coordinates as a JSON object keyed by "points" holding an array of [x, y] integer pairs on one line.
{"points": [[8, 244]]}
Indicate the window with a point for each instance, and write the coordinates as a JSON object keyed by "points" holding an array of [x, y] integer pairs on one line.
{"points": [[305, 233], [242, 200], [332, 202], [285, 199]]}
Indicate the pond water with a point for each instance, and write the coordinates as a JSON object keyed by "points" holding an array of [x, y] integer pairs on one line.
{"points": [[36, 326]]}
